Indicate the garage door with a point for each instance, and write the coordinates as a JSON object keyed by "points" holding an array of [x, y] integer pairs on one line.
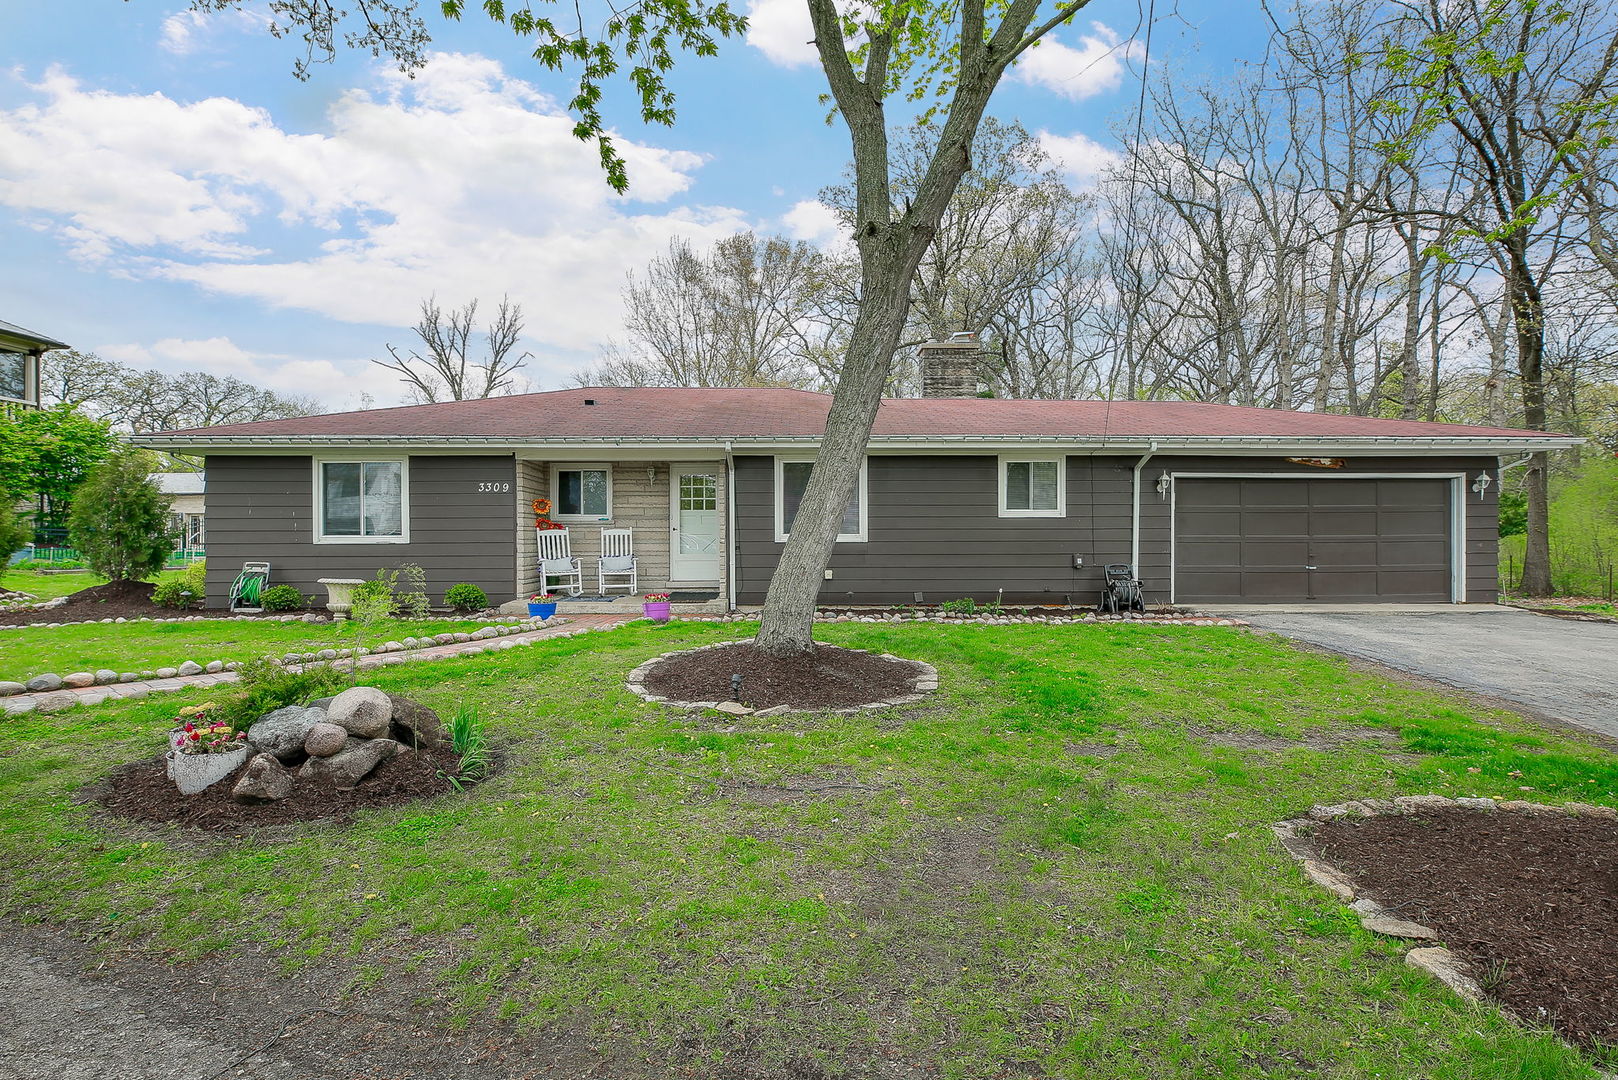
{"points": [[1338, 539]]}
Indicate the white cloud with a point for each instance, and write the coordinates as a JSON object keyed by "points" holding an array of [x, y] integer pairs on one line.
{"points": [[1079, 156], [463, 183], [781, 30], [813, 220], [1097, 66], [186, 32]]}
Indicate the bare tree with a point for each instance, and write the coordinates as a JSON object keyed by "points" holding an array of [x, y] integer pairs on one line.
{"points": [[443, 368]]}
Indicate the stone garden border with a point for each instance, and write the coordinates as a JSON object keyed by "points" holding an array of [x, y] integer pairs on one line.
{"points": [[990, 620], [1452, 970], [923, 683], [68, 696], [46, 682], [307, 616]]}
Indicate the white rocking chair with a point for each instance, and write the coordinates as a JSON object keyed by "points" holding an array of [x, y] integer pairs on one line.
{"points": [[617, 561], [556, 562]]}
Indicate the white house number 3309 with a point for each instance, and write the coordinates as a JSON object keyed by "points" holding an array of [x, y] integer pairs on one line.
{"points": [[494, 485]]}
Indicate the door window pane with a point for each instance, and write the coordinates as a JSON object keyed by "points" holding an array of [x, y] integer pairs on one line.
{"points": [[794, 480]]}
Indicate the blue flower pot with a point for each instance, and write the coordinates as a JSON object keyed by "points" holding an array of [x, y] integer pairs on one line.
{"points": [[541, 611]]}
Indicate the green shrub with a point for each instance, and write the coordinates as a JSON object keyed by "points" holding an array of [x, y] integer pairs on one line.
{"points": [[188, 587], [466, 597], [120, 520], [280, 598], [14, 536], [266, 686]]}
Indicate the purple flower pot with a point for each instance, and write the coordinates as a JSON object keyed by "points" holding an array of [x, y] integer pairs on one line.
{"points": [[656, 610]]}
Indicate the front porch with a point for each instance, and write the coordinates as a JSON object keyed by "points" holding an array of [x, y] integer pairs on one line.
{"points": [[675, 511]]}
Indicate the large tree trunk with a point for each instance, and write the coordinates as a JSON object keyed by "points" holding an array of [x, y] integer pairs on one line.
{"points": [[789, 606], [1528, 322]]}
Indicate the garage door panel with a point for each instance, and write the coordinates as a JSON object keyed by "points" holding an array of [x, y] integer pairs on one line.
{"points": [[1210, 493], [1368, 539], [1256, 553], [1223, 522], [1275, 522], [1356, 554], [1359, 522], [1333, 494], [1275, 493]]}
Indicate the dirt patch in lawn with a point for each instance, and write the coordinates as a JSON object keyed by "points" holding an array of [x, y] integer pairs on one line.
{"points": [[143, 792], [828, 678], [114, 600], [1530, 899]]}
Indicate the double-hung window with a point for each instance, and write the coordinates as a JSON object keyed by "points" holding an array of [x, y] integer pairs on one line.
{"points": [[14, 375], [362, 502], [792, 478], [1033, 487], [583, 493]]}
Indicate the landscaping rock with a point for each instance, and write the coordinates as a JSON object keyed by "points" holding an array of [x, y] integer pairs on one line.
{"points": [[324, 740], [1423, 802], [214, 667], [1377, 919], [9, 688], [166, 672], [190, 667], [1330, 879], [416, 725], [56, 701], [1476, 804], [43, 683], [266, 780], [283, 731], [106, 675], [355, 762], [361, 710], [1448, 969]]}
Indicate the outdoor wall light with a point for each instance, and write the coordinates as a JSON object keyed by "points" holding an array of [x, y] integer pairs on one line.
{"points": [[651, 474], [1481, 484], [1164, 482]]}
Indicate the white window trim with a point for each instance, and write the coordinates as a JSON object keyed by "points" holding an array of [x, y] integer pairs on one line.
{"points": [[556, 491], [842, 538], [1061, 486], [319, 528]]}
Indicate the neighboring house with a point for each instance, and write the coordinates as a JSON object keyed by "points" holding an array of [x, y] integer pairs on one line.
{"points": [[186, 508], [960, 496], [19, 364]]}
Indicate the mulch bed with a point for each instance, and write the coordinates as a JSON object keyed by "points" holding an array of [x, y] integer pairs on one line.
{"points": [[828, 678], [144, 792], [114, 600], [1530, 899]]}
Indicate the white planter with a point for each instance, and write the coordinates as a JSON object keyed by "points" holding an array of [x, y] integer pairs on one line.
{"points": [[192, 773], [340, 595]]}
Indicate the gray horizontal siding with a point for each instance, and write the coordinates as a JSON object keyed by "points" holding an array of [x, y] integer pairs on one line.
{"points": [[934, 528], [263, 508]]}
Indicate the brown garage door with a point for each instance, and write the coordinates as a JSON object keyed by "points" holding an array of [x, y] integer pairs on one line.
{"points": [[1337, 539]]}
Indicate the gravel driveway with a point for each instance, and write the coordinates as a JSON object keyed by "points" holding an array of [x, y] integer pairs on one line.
{"points": [[1562, 669]]}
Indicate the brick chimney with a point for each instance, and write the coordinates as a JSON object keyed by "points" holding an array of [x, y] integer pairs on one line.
{"points": [[949, 369]]}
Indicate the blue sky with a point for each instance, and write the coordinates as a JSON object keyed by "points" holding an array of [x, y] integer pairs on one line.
{"points": [[171, 197]]}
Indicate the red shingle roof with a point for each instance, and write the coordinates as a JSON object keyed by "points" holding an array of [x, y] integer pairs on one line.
{"points": [[654, 413]]}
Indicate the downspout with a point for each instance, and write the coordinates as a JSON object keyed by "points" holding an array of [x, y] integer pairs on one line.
{"points": [[1134, 520], [1500, 470], [730, 527]]}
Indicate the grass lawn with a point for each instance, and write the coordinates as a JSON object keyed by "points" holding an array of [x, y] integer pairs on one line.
{"points": [[148, 646], [50, 586], [1060, 866]]}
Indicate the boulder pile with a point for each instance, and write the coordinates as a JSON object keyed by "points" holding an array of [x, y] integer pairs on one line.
{"points": [[344, 738]]}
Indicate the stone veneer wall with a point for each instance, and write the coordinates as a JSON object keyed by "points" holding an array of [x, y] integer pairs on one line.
{"points": [[638, 503]]}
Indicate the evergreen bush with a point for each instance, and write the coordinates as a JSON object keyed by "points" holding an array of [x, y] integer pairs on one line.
{"points": [[120, 519]]}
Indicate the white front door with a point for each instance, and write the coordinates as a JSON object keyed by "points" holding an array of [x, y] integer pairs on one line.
{"points": [[694, 526]]}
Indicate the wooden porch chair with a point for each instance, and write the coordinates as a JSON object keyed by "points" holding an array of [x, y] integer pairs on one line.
{"points": [[556, 563], [617, 561]]}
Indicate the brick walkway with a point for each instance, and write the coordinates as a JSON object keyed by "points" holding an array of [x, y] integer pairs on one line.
{"points": [[61, 700]]}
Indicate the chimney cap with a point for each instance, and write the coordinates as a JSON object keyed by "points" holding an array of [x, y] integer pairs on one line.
{"points": [[963, 337]]}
